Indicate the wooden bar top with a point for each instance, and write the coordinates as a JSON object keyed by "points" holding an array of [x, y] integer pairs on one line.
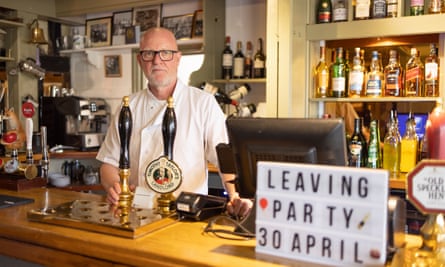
{"points": [[182, 243]]}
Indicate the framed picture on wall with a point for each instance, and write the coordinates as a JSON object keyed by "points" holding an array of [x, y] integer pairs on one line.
{"points": [[113, 65], [121, 21], [147, 17], [198, 24], [181, 25], [98, 31]]}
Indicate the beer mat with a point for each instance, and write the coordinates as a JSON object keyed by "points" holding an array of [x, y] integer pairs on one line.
{"points": [[9, 201]]}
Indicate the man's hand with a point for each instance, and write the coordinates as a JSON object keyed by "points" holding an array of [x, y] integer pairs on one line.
{"points": [[114, 191], [239, 206]]}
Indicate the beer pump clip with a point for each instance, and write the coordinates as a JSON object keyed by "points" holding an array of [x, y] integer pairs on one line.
{"points": [[163, 175], [14, 138]]}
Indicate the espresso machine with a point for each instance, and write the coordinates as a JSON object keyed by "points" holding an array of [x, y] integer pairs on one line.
{"points": [[73, 121]]}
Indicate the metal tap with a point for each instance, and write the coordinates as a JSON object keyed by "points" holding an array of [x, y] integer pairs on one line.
{"points": [[44, 162]]}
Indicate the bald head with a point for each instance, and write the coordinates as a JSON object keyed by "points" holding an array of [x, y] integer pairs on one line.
{"points": [[161, 35]]}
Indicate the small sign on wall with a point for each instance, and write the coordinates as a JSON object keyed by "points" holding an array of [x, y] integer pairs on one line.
{"points": [[426, 186], [323, 214]]}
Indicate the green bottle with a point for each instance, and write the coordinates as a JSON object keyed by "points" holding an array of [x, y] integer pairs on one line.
{"points": [[324, 11], [374, 151], [338, 75]]}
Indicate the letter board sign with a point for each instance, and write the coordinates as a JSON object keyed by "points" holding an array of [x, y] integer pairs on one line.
{"points": [[323, 214]]}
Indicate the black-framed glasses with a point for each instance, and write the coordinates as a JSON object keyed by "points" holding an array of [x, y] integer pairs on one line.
{"points": [[164, 55]]}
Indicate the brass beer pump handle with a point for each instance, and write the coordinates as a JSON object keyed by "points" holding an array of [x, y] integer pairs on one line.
{"points": [[169, 129], [125, 127]]}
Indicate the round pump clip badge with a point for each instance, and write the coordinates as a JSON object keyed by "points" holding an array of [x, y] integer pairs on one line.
{"points": [[163, 175]]}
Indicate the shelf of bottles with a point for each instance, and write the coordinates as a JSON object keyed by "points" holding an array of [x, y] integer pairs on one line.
{"points": [[404, 29], [399, 24]]}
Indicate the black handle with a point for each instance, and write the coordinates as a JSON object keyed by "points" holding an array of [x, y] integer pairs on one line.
{"points": [[125, 126], [169, 129]]}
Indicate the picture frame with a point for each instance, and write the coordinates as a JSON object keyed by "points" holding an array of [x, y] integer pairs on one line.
{"points": [[113, 65], [147, 17], [98, 31], [198, 24], [181, 25], [121, 21]]}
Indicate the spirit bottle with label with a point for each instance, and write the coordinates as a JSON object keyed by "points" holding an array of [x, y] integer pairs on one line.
{"points": [[392, 7], [339, 10], [432, 73], [321, 73], [375, 82], [414, 73], [416, 7], [357, 75], [338, 75], [393, 75], [324, 11], [357, 146], [374, 152], [362, 9], [378, 9]]}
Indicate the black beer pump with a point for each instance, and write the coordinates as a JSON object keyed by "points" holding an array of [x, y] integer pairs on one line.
{"points": [[125, 125]]}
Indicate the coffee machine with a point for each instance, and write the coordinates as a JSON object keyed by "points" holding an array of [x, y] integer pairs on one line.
{"points": [[75, 121]]}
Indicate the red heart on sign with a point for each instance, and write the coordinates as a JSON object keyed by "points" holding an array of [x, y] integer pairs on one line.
{"points": [[263, 203]]}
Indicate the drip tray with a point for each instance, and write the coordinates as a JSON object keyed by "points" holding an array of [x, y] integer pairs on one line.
{"points": [[103, 218]]}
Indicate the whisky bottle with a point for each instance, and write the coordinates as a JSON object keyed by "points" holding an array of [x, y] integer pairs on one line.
{"points": [[238, 62], [378, 9], [409, 145], [227, 60], [324, 11], [248, 61], [321, 73], [357, 75], [357, 146], [393, 75], [432, 73], [375, 82], [259, 61], [435, 7], [362, 9], [339, 10], [392, 7], [392, 147], [414, 72], [416, 7], [374, 151]]}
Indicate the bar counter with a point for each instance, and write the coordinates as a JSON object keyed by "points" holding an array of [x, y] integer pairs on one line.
{"points": [[179, 244]]}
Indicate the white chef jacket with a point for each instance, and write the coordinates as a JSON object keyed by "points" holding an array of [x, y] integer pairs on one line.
{"points": [[200, 128]]}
